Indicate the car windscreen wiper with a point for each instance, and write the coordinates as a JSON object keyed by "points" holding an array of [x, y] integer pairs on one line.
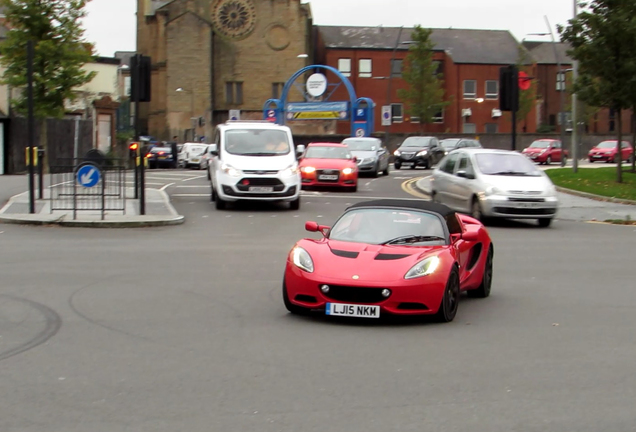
{"points": [[513, 173], [260, 154], [411, 239]]}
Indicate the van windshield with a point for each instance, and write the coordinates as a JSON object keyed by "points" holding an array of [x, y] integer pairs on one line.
{"points": [[257, 142]]}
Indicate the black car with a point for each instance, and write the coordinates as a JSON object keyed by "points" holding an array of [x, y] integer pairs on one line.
{"points": [[450, 144], [163, 155], [418, 151]]}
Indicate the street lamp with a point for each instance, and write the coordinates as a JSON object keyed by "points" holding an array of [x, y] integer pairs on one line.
{"points": [[182, 90]]}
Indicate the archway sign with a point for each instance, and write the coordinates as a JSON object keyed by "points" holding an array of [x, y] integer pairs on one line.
{"points": [[318, 104]]}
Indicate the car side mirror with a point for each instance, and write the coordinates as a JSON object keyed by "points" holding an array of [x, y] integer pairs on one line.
{"points": [[354, 158], [465, 174], [299, 151], [214, 150], [314, 227]]}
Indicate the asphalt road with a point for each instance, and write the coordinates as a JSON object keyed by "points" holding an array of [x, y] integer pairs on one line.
{"points": [[183, 329]]}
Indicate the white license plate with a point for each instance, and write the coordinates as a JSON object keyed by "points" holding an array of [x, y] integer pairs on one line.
{"points": [[352, 310], [328, 177], [261, 189], [526, 205], [407, 163], [598, 156]]}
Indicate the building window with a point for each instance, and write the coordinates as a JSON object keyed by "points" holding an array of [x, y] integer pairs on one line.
{"points": [[492, 89], [397, 113], [439, 117], [364, 68], [396, 68], [560, 81], [439, 67], [491, 128], [415, 119], [470, 89], [344, 66], [277, 90], [127, 86], [470, 128], [234, 92]]}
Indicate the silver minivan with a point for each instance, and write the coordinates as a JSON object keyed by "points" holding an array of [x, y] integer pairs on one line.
{"points": [[494, 183]]}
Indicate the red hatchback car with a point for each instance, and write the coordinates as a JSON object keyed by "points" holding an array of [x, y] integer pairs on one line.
{"points": [[393, 257], [606, 152], [545, 151], [328, 164]]}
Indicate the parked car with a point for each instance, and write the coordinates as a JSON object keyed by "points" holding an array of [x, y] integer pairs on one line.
{"points": [[494, 183], [450, 144], [390, 257], [254, 161], [418, 151], [545, 151], [162, 155], [606, 151], [328, 164], [372, 156], [192, 155]]}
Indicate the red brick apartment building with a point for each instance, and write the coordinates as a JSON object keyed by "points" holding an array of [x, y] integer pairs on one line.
{"points": [[468, 59], [551, 84]]}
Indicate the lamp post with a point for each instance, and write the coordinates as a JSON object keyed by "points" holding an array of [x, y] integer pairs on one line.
{"points": [[575, 126], [182, 90]]}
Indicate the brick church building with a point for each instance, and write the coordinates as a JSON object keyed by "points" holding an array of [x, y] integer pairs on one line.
{"points": [[212, 56]]}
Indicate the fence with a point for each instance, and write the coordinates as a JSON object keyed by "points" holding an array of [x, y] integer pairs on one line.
{"points": [[83, 185]]}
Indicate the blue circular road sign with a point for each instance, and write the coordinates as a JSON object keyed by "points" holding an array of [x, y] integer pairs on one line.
{"points": [[88, 175]]}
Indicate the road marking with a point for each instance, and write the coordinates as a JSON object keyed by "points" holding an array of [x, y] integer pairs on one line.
{"points": [[166, 186], [191, 186], [186, 195], [194, 178], [409, 187]]}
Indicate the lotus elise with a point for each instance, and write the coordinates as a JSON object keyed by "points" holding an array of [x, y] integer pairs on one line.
{"points": [[396, 257]]}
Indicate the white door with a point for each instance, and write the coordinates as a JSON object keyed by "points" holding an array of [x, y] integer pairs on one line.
{"points": [[103, 133]]}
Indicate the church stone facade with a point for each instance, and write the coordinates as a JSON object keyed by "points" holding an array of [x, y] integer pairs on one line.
{"points": [[212, 56]]}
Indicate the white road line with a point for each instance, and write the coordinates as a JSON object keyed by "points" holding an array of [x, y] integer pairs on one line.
{"points": [[185, 195], [194, 178], [166, 186], [189, 195], [191, 186]]}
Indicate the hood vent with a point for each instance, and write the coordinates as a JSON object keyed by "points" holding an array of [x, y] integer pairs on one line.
{"points": [[388, 257], [345, 254]]}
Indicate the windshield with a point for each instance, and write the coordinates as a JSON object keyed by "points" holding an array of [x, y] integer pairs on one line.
{"points": [[607, 145], [196, 149], [257, 142], [449, 143], [389, 226], [327, 152], [362, 145], [513, 164], [540, 144], [417, 142]]}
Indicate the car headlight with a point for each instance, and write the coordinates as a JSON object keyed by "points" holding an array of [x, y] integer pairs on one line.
{"points": [[308, 169], [396, 153], [302, 260], [423, 268], [289, 171], [348, 171], [423, 153], [230, 170], [492, 190]]}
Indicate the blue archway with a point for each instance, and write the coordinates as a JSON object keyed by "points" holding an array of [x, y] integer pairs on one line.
{"points": [[359, 111]]}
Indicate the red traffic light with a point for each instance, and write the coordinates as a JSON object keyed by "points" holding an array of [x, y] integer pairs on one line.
{"points": [[133, 146], [524, 80]]}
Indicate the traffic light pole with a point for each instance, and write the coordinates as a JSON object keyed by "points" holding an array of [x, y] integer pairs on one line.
{"points": [[31, 127], [140, 173], [514, 129]]}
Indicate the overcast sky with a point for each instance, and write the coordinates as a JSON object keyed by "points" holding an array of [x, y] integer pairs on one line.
{"points": [[520, 17]]}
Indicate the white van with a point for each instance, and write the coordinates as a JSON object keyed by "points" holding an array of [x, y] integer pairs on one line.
{"points": [[191, 155], [254, 161]]}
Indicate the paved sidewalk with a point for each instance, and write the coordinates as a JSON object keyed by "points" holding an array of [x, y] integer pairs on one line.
{"points": [[573, 207], [159, 212]]}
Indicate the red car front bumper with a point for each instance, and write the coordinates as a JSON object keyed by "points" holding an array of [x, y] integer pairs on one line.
{"points": [[421, 296], [344, 180]]}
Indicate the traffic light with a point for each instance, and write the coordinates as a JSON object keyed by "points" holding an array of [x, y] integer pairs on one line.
{"points": [[509, 88], [140, 73], [133, 149]]}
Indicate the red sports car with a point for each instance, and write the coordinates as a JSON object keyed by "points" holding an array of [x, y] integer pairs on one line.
{"points": [[390, 257], [328, 164]]}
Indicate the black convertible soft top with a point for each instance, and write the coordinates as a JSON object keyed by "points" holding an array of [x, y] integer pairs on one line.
{"points": [[429, 206]]}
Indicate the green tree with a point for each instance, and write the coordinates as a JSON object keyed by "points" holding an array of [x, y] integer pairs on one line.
{"points": [[59, 53], [603, 40], [424, 95]]}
